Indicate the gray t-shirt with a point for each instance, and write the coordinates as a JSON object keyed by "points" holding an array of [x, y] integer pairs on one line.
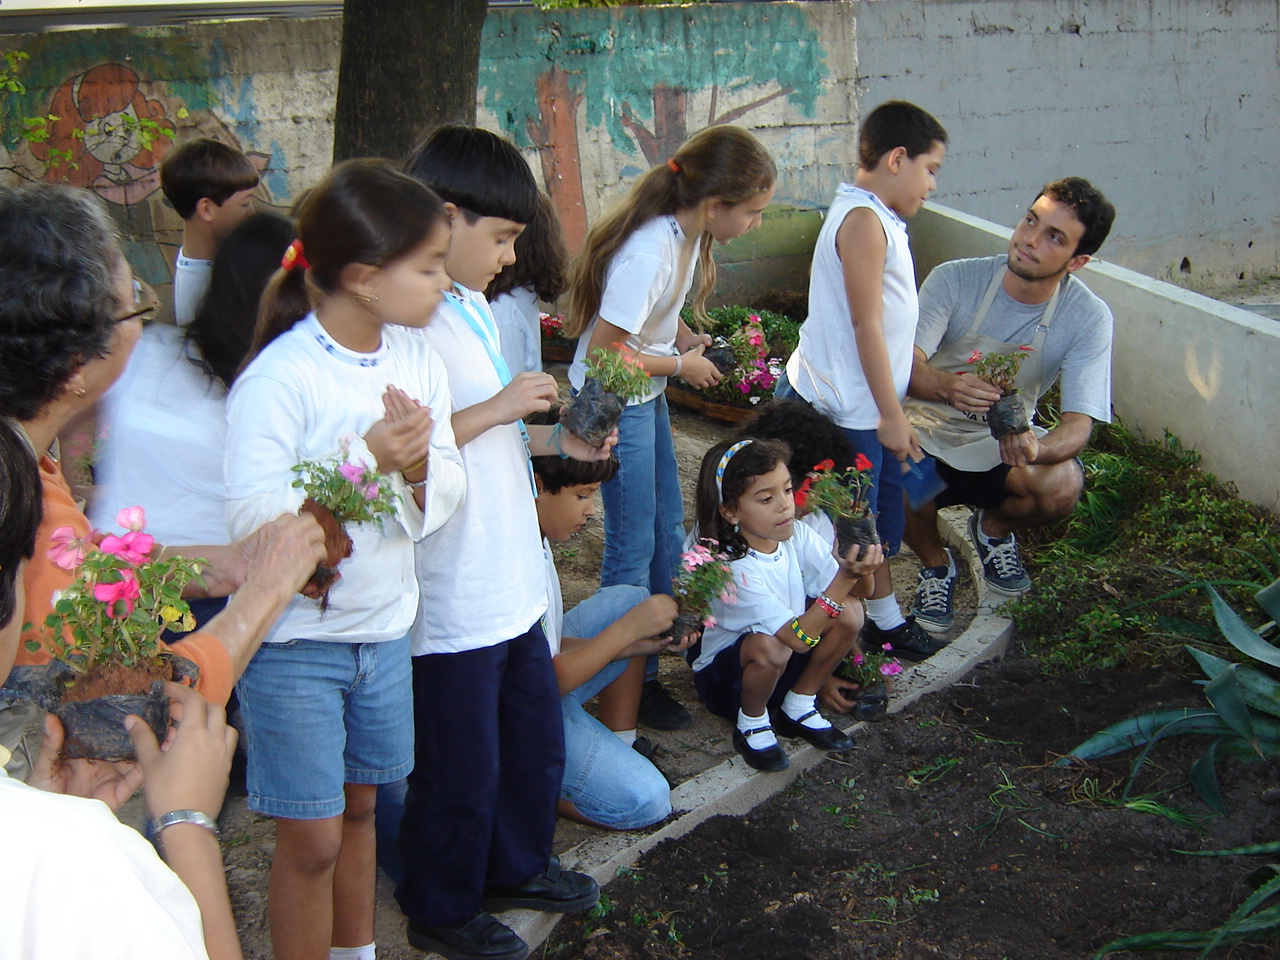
{"points": [[1077, 347]]}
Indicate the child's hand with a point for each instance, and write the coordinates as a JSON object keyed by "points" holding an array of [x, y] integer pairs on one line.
{"points": [[686, 340], [898, 436], [697, 371], [402, 438], [857, 565], [112, 783], [191, 772], [579, 449], [833, 697], [527, 393]]}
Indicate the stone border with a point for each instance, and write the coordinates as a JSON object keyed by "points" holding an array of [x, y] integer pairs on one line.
{"points": [[733, 788]]}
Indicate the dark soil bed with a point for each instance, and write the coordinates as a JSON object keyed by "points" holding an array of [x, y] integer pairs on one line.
{"points": [[949, 833]]}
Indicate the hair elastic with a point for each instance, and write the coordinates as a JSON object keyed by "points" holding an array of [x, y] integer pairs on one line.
{"points": [[675, 167], [724, 462], [293, 257]]}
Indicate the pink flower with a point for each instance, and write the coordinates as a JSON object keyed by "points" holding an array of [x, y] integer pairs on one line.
{"points": [[370, 491], [120, 597], [857, 658], [709, 622], [887, 646], [133, 547], [67, 550], [353, 472], [744, 387], [755, 338], [891, 668], [132, 518], [974, 357]]}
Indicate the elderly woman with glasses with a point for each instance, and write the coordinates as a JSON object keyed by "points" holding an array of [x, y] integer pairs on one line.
{"points": [[69, 318]]}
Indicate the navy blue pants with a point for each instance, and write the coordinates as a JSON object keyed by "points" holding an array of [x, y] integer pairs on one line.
{"points": [[488, 760]]}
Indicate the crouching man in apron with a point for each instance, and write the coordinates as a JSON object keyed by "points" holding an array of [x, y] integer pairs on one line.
{"points": [[1027, 298]]}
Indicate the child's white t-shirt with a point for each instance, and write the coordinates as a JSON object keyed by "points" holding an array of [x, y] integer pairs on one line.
{"points": [[297, 401], [481, 575], [772, 589], [516, 314], [163, 434], [190, 281], [644, 277], [825, 368], [553, 622]]}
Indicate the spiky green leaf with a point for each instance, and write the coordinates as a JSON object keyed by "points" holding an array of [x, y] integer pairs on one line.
{"points": [[1137, 731], [1269, 599], [1260, 691], [1254, 849], [1239, 634], [1228, 700], [1204, 778]]}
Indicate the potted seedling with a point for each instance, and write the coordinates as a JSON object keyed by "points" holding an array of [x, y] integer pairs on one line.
{"points": [[842, 496], [614, 377], [104, 635], [341, 492], [1008, 415], [869, 676], [703, 576]]}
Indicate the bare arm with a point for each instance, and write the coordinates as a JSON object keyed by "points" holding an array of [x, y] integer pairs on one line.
{"points": [[695, 369], [854, 569], [527, 393], [1059, 445], [862, 246], [575, 664]]}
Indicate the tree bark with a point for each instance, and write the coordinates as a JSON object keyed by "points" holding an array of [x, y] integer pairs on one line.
{"points": [[399, 77], [556, 135]]}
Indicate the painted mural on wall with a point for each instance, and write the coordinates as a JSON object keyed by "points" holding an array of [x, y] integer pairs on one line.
{"points": [[101, 114], [644, 83]]}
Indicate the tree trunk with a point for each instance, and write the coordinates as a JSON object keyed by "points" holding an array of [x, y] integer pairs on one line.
{"points": [[556, 136], [398, 79]]}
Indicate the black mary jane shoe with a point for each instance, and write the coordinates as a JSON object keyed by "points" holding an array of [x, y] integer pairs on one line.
{"points": [[826, 738], [483, 937], [770, 759]]}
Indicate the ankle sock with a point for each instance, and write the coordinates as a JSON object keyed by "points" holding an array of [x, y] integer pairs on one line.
{"points": [[796, 705], [987, 538], [757, 741], [368, 952], [885, 612], [626, 736]]}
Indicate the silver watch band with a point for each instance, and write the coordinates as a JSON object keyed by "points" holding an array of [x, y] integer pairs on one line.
{"points": [[183, 816]]}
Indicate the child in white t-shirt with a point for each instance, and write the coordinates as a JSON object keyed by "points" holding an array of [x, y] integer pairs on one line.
{"points": [[772, 648]]}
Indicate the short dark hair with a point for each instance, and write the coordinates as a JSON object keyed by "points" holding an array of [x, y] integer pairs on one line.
{"points": [[58, 299], [757, 458], [204, 168], [810, 436], [1090, 207], [897, 124], [556, 473], [477, 171], [21, 510], [225, 319]]}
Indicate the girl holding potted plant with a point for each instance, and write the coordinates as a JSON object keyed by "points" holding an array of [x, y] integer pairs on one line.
{"points": [[627, 288], [771, 648], [327, 699]]}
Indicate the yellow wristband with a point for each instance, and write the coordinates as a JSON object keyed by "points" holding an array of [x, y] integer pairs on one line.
{"points": [[803, 637]]}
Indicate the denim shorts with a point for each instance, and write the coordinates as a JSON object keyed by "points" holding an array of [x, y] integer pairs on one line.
{"points": [[318, 715], [886, 498]]}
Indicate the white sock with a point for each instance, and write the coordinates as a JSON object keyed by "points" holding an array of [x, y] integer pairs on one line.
{"points": [[368, 952], [951, 563], [761, 740], [626, 736], [885, 612], [986, 536], [796, 705]]}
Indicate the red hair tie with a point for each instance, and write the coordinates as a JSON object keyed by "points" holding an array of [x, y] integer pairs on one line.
{"points": [[293, 257], [675, 167]]}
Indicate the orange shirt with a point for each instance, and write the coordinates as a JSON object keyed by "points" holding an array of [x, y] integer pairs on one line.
{"points": [[44, 577]]}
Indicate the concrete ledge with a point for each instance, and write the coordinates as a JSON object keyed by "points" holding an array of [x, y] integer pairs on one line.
{"points": [[733, 788]]}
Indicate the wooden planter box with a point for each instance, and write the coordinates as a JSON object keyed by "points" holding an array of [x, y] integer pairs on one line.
{"points": [[690, 399]]}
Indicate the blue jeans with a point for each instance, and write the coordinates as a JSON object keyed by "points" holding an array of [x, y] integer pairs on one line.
{"points": [[603, 777], [643, 506]]}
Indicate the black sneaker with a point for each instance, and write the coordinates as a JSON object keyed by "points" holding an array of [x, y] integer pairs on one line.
{"points": [[1001, 565], [826, 738], [553, 891], [906, 641], [934, 593], [659, 710], [770, 759], [482, 937]]}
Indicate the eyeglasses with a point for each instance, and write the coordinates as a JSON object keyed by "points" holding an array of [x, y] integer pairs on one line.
{"points": [[148, 302]]}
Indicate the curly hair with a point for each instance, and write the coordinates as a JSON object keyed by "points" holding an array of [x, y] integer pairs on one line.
{"points": [[20, 512], [811, 436], [58, 300]]}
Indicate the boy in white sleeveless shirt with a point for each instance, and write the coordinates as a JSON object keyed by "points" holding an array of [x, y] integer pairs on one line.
{"points": [[854, 358]]}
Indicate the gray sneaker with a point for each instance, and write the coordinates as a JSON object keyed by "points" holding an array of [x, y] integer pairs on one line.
{"points": [[934, 593], [1001, 566]]}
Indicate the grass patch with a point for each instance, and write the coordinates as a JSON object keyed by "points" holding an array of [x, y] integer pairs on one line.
{"points": [[1120, 581]]}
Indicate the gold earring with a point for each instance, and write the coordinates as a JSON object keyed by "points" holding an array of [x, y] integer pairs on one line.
{"points": [[363, 299], [81, 392]]}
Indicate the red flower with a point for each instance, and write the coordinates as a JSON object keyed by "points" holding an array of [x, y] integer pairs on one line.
{"points": [[974, 357], [1027, 349], [825, 464], [861, 463], [801, 494]]}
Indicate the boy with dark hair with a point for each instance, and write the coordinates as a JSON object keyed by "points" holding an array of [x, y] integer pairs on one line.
{"points": [[854, 357], [481, 805], [211, 187], [1029, 297]]}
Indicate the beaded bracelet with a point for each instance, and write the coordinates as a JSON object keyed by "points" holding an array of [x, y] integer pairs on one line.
{"points": [[833, 609], [803, 637]]}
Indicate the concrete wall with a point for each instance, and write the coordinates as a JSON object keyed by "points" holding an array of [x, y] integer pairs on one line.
{"points": [[1200, 368], [1169, 107]]}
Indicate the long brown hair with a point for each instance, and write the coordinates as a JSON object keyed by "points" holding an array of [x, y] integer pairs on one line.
{"points": [[722, 163]]}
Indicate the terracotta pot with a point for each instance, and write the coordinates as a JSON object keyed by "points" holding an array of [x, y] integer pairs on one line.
{"points": [[1008, 415], [593, 413], [855, 530], [94, 723], [337, 547]]}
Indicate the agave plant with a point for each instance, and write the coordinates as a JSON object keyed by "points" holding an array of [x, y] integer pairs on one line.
{"points": [[1243, 711]]}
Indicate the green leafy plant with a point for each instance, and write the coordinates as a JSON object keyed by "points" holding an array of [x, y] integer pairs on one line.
{"points": [[619, 372], [703, 577], [869, 668], [1242, 715], [352, 491], [1000, 369], [120, 601]]}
